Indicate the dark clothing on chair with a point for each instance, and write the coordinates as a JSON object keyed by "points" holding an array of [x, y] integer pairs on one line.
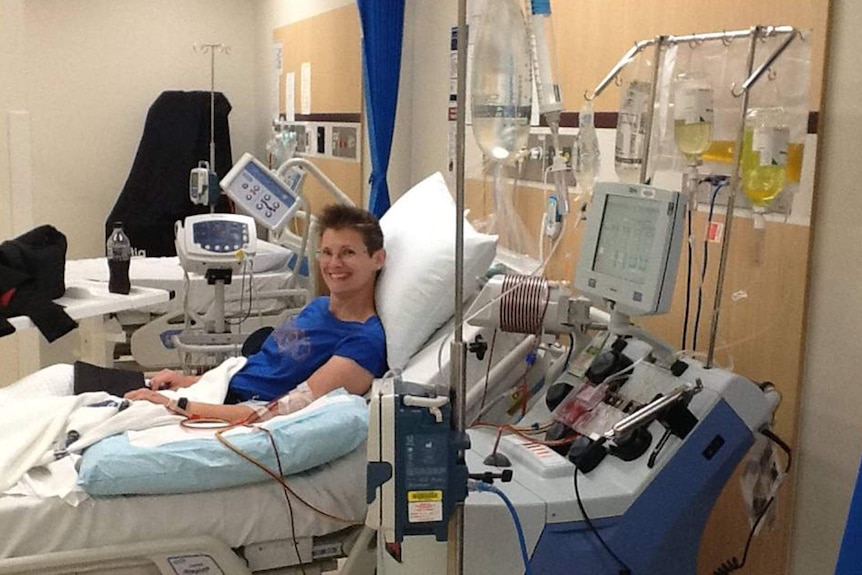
{"points": [[156, 194]]}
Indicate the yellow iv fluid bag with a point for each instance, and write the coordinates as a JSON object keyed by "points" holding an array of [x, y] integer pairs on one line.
{"points": [[693, 116], [764, 155], [501, 82]]}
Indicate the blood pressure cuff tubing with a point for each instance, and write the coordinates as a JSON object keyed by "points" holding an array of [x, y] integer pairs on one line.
{"points": [[32, 273]]}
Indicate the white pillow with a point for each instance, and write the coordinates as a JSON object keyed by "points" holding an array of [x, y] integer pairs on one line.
{"points": [[416, 289]]}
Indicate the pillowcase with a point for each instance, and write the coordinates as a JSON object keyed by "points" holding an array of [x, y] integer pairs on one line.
{"points": [[415, 291], [329, 428]]}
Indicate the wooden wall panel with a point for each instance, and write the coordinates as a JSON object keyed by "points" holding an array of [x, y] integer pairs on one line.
{"points": [[346, 175], [331, 43]]}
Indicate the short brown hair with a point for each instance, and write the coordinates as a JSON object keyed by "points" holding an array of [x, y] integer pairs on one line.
{"points": [[342, 216]]}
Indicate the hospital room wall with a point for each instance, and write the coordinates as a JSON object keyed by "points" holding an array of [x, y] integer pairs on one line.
{"points": [[90, 69], [276, 14], [830, 396], [76, 81]]}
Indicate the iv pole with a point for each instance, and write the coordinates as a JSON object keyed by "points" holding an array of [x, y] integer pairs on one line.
{"points": [[752, 76], [211, 49], [457, 350]]}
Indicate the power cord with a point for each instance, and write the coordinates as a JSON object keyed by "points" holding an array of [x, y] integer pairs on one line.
{"points": [[734, 564], [690, 253], [624, 569], [718, 185], [569, 352], [488, 369], [482, 486]]}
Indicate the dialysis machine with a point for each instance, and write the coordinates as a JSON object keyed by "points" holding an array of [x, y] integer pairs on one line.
{"points": [[634, 443]]}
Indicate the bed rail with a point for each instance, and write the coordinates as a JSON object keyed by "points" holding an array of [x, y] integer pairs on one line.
{"points": [[167, 557]]}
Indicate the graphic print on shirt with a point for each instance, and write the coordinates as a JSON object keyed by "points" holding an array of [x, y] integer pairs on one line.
{"points": [[292, 340]]}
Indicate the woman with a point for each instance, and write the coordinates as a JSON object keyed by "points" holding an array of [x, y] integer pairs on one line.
{"points": [[336, 341]]}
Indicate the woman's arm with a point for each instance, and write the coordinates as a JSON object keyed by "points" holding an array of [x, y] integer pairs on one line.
{"points": [[231, 413], [340, 372], [170, 379], [337, 372]]}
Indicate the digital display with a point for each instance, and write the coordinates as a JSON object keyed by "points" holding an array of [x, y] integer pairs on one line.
{"points": [[626, 239], [220, 235]]}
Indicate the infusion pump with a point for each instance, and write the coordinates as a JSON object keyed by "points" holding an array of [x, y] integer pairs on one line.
{"points": [[215, 241]]}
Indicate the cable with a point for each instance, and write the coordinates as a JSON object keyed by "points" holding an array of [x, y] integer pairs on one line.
{"points": [[690, 251], [488, 369], [277, 477], [624, 569], [287, 499], [734, 564], [715, 191], [247, 270], [487, 487], [569, 353], [539, 268]]}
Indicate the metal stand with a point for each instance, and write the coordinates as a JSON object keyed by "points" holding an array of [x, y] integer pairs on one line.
{"points": [[752, 76], [458, 350]]}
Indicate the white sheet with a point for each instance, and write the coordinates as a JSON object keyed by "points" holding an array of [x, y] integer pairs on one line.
{"points": [[37, 414], [237, 516]]}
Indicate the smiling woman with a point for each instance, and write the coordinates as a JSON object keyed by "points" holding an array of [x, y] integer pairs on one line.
{"points": [[336, 341]]}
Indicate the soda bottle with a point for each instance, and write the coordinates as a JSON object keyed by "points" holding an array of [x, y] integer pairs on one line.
{"points": [[119, 251]]}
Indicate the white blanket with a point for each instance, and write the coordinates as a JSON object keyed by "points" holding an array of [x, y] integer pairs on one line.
{"points": [[41, 427]]}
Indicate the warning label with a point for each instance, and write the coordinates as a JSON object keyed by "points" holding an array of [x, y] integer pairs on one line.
{"points": [[424, 506]]}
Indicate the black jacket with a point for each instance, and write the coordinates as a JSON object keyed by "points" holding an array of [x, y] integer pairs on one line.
{"points": [[32, 273]]}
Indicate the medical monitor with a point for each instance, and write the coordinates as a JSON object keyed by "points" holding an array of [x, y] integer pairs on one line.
{"points": [[215, 241], [630, 248], [266, 197]]}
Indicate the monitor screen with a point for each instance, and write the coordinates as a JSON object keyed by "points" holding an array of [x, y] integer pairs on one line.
{"points": [[630, 247], [626, 238]]}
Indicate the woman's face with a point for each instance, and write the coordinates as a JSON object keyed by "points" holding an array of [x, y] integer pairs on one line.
{"points": [[345, 263]]}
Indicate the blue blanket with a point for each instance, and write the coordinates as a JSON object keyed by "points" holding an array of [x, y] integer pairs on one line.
{"points": [[306, 439]]}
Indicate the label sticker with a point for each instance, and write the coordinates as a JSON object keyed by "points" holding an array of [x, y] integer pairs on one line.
{"points": [[714, 232], [433, 495], [694, 106], [771, 144], [424, 511], [194, 565]]}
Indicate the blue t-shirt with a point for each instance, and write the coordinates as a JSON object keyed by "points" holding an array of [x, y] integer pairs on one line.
{"points": [[301, 345]]}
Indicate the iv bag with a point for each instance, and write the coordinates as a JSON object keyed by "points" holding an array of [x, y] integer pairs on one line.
{"points": [[501, 82], [632, 119]]}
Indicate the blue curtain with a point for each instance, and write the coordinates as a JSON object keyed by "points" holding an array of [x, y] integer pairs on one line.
{"points": [[382, 31]]}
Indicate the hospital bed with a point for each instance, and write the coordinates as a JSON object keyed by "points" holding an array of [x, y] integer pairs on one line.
{"points": [[206, 531], [276, 292], [145, 533]]}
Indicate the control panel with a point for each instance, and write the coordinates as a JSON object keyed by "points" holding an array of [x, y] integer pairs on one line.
{"points": [[215, 241], [266, 197]]}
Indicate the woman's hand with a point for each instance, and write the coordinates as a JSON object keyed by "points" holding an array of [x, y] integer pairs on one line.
{"points": [[148, 395], [170, 379]]}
